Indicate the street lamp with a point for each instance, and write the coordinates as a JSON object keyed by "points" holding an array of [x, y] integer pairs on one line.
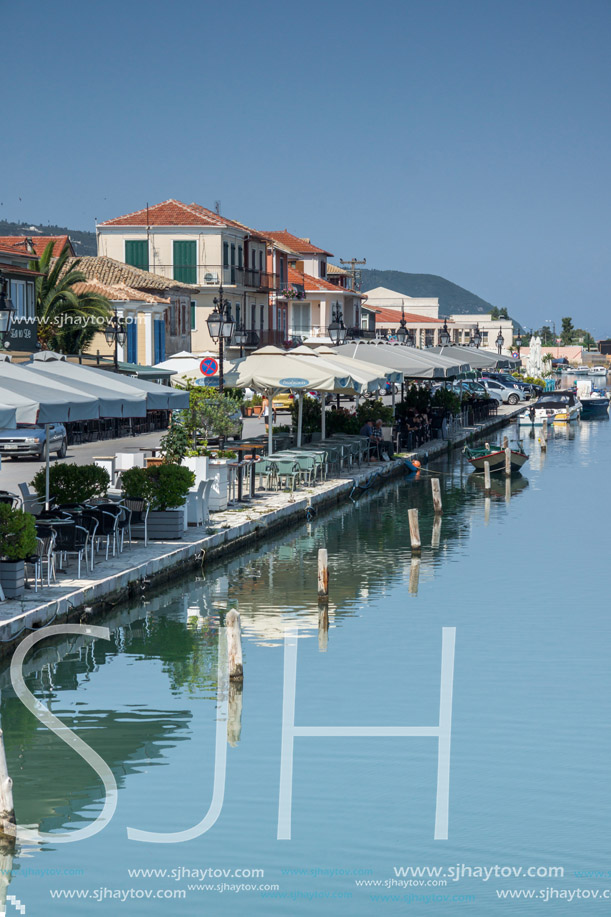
{"points": [[115, 334], [402, 332], [241, 337], [476, 336], [337, 329], [444, 335], [500, 340], [220, 328], [6, 308], [518, 342]]}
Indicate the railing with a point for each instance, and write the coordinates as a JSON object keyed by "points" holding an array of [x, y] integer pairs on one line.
{"points": [[260, 280], [355, 333], [272, 338], [286, 290]]}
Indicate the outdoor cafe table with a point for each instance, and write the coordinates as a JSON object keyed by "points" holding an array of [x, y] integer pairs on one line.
{"points": [[242, 448]]}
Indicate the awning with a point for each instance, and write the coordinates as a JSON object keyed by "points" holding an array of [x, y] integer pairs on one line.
{"points": [[404, 359], [479, 359], [113, 403], [55, 403]]}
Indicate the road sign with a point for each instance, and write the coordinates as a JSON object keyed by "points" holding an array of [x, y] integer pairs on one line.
{"points": [[209, 366], [515, 354]]}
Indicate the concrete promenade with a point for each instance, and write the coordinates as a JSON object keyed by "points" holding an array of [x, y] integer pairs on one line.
{"points": [[126, 575]]}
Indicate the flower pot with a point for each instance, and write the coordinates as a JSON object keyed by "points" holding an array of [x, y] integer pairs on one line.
{"points": [[257, 410], [166, 524], [12, 578], [219, 472]]}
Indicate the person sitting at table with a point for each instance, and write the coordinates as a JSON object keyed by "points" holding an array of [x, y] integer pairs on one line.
{"points": [[384, 445], [367, 430]]}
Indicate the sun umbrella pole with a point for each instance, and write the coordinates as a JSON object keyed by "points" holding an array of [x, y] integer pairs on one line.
{"points": [[270, 421], [299, 418], [47, 464], [393, 398], [323, 405]]}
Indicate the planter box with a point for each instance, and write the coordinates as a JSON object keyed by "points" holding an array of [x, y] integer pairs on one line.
{"points": [[219, 492], [257, 410], [164, 525], [198, 464], [12, 578]]}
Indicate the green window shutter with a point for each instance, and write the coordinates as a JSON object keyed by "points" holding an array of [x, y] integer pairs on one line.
{"points": [[137, 253], [193, 308], [185, 262]]}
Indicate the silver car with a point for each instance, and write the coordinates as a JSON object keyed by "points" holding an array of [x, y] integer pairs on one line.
{"points": [[30, 440], [507, 394]]}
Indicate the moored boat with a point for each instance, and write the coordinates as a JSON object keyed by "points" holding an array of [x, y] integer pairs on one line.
{"points": [[495, 456], [595, 404], [598, 370], [555, 407]]}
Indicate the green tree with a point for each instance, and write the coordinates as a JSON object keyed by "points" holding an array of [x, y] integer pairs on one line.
{"points": [[67, 319], [210, 413], [503, 313], [494, 313], [566, 335]]}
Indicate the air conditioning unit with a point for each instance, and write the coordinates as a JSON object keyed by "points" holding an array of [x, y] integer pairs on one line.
{"points": [[211, 279]]}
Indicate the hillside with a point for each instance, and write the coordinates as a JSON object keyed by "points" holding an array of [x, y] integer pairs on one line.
{"points": [[84, 242], [453, 300]]}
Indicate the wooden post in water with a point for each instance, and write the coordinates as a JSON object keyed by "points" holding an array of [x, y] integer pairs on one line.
{"points": [[233, 627], [507, 489], [323, 574], [7, 809], [507, 462], [414, 576], [234, 712], [323, 626], [414, 531], [487, 484], [437, 505], [436, 535], [486, 510], [505, 442]]}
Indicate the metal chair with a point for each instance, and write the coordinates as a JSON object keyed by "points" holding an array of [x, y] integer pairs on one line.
{"points": [[72, 540], [287, 469], [138, 519]]}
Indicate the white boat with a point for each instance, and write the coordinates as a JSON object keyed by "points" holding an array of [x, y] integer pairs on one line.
{"points": [[598, 371], [578, 371], [554, 407]]}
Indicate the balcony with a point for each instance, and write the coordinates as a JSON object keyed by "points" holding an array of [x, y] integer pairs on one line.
{"points": [[260, 280], [286, 290]]}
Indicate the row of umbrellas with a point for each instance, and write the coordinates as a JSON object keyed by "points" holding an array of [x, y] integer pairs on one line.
{"points": [[48, 390], [353, 368]]}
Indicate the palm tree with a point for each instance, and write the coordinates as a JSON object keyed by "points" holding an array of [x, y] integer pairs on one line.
{"points": [[67, 320]]}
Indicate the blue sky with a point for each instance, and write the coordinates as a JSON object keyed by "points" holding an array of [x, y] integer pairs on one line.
{"points": [[467, 138]]}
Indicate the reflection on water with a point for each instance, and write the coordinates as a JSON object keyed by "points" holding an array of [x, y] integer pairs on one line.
{"points": [[529, 761]]}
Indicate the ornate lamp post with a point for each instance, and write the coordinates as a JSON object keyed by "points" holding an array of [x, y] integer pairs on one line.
{"points": [[518, 342], [476, 336], [6, 309], [500, 340], [337, 329], [402, 331], [240, 337], [115, 334], [444, 335], [220, 328]]}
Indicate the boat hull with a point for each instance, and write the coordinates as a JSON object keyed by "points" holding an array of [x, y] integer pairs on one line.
{"points": [[598, 407], [497, 461]]}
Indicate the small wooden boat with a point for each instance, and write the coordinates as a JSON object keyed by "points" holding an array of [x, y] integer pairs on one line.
{"points": [[495, 455]]}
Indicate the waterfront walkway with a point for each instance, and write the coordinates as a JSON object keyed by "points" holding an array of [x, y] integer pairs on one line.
{"points": [[128, 574]]}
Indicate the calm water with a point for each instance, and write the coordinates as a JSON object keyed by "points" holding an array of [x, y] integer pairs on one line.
{"points": [[522, 580]]}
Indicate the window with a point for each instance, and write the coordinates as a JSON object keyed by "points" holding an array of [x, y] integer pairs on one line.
{"points": [[253, 316], [240, 256], [185, 262], [323, 269], [237, 315], [159, 340], [253, 260], [132, 339], [193, 314], [262, 318], [232, 263], [137, 253], [260, 261], [225, 254], [18, 297]]}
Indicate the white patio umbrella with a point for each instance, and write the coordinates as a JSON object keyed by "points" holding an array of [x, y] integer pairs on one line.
{"points": [[414, 363], [8, 417], [272, 370]]}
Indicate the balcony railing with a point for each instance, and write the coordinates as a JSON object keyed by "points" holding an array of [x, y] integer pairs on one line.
{"points": [[260, 280]]}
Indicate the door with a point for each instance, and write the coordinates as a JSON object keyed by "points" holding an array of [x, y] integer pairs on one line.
{"points": [[159, 331]]}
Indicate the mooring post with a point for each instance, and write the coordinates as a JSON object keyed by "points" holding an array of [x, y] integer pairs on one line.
{"points": [[487, 485], [7, 809], [323, 574], [505, 442], [544, 428], [507, 489], [414, 531], [436, 534], [323, 626], [436, 488], [486, 510], [507, 461], [233, 626], [234, 712]]}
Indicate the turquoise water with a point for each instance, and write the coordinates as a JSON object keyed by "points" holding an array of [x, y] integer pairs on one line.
{"points": [[522, 578]]}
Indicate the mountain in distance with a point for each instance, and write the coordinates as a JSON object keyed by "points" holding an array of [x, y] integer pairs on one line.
{"points": [[453, 300], [84, 242]]}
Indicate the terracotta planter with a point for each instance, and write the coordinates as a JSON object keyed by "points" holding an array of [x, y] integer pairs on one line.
{"points": [[153, 461], [257, 410]]}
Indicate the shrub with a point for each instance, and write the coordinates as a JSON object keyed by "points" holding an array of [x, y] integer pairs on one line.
{"points": [[374, 410], [311, 419], [69, 483], [447, 400], [17, 533], [175, 443], [162, 486], [342, 421]]}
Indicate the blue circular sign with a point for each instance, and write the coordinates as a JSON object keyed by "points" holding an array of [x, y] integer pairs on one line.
{"points": [[209, 366], [294, 383]]}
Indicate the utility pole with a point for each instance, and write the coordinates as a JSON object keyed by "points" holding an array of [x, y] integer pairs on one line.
{"points": [[354, 272]]}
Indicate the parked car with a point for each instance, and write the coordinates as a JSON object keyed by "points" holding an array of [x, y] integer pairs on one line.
{"points": [[29, 440], [505, 379], [478, 389], [507, 394]]}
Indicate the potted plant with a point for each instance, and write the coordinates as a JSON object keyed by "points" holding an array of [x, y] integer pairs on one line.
{"points": [[197, 460], [17, 541], [69, 483], [256, 402], [165, 488]]}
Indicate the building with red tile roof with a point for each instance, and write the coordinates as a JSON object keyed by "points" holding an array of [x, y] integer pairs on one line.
{"points": [[35, 245]]}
